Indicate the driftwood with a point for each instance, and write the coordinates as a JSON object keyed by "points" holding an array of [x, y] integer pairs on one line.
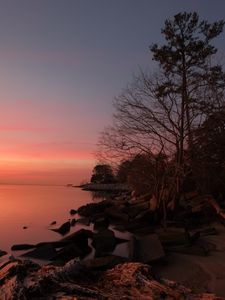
{"points": [[26, 280]]}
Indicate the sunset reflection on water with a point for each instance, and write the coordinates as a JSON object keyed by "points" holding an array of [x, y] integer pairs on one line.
{"points": [[35, 207]]}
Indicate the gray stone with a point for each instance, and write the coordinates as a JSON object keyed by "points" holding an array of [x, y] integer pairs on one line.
{"points": [[147, 248]]}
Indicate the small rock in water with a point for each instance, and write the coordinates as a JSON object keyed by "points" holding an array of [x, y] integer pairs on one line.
{"points": [[63, 229], [53, 223], [2, 253], [73, 212]]}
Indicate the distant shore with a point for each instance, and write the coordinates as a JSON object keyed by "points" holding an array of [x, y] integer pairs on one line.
{"points": [[104, 187]]}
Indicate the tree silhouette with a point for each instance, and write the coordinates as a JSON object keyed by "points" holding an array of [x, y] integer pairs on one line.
{"points": [[160, 112], [102, 173]]}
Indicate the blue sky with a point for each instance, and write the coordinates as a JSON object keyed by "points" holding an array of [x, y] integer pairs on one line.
{"points": [[62, 63]]}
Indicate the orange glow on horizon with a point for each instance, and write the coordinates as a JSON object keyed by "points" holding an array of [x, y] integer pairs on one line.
{"points": [[46, 169]]}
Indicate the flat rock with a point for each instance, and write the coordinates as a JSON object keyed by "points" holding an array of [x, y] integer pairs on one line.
{"points": [[71, 251], [45, 252], [22, 247], [147, 248]]}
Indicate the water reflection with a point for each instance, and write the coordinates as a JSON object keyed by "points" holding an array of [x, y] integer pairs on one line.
{"points": [[35, 207]]}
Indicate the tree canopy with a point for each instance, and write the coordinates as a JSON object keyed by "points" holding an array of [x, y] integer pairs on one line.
{"points": [[102, 173], [160, 112]]}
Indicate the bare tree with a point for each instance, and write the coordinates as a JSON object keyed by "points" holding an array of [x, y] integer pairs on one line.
{"points": [[158, 113]]}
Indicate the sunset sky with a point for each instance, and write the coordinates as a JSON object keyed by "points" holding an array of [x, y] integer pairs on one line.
{"points": [[62, 62]]}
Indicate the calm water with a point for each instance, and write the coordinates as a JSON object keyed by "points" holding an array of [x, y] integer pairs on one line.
{"points": [[35, 207]]}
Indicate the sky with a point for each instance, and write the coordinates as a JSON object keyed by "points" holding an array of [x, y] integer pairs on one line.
{"points": [[62, 62]]}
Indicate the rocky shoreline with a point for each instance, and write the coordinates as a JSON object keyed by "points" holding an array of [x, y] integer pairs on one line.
{"points": [[84, 265], [25, 280]]}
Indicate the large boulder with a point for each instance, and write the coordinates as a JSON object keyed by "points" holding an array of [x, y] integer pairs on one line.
{"points": [[92, 209], [44, 252], [104, 242], [146, 248], [84, 221], [101, 223], [114, 213]]}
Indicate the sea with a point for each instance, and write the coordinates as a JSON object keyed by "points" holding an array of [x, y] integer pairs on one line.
{"points": [[26, 212]]}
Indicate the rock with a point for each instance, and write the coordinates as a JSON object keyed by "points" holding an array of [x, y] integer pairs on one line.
{"points": [[103, 263], [73, 212], [63, 229], [144, 221], [84, 221], [75, 245], [136, 281], [53, 223], [91, 209], [56, 244], [22, 247], [104, 242], [73, 222], [2, 253], [173, 237], [115, 214], [95, 217], [101, 223], [134, 211], [80, 236], [146, 248], [45, 252], [26, 280], [71, 251]]}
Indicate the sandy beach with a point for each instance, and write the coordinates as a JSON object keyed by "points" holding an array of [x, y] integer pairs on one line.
{"points": [[200, 273]]}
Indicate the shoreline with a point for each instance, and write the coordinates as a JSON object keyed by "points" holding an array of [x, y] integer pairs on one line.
{"points": [[120, 187], [200, 273]]}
